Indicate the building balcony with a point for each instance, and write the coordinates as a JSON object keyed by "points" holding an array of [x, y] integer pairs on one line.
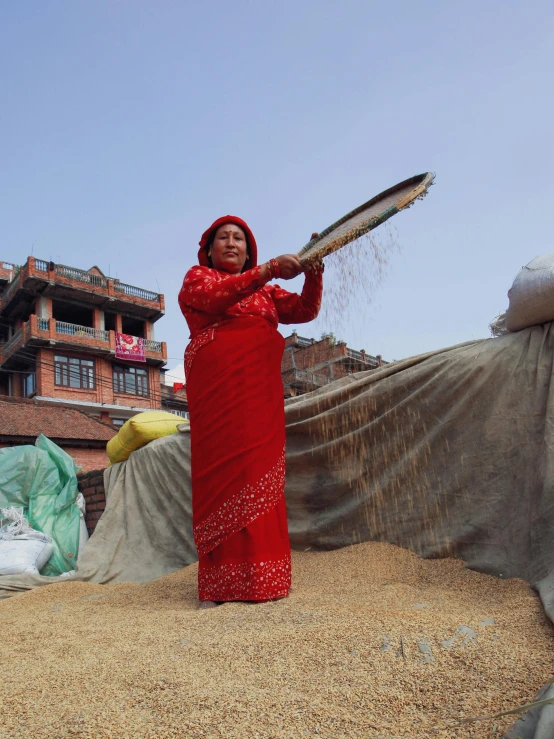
{"points": [[37, 278], [7, 273], [49, 333], [366, 359], [304, 380]]}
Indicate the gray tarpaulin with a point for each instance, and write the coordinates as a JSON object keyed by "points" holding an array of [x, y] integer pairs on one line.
{"points": [[449, 453]]}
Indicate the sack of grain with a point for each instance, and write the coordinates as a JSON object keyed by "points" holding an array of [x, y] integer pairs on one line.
{"points": [[22, 549], [532, 294], [139, 430]]}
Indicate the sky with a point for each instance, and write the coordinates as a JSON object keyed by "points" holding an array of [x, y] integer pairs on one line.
{"points": [[127, 127]]}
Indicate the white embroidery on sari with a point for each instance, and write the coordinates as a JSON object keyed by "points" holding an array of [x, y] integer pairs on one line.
{"points": [[242, 508], [199, 341], [245, 580]]}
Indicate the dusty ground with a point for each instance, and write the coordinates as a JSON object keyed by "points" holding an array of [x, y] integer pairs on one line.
{"points": [[338, 658]]}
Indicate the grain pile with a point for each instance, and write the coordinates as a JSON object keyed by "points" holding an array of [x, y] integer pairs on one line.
{"points": [[368, 645]]}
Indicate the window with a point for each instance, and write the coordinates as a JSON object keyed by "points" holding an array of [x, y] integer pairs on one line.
{"points": [[74, 372], [28, 386], [130, 381], [118, 422]]}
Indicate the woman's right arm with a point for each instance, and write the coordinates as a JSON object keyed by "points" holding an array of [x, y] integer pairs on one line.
{"points": [[202, 291]]}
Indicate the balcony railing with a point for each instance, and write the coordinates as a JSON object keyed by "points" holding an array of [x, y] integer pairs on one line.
{"points": [[8, 345], [20, 275], [12, 287], [355, 355], [136, 292], [72, 329], [365, 358], [152, 346], [80, 275], [309, 378], [31, 329]]}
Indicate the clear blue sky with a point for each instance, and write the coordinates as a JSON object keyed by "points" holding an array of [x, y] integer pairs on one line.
{"points": [[126, 127]]}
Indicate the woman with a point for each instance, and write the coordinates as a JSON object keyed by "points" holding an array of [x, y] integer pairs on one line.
{"points": [[235, 395]]}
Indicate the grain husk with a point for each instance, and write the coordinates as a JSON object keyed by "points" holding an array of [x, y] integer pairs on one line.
{"points": [[341, 657]]}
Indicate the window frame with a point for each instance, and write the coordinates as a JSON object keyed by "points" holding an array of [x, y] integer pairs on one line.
{"points": [[86, 374], [130, 380], [28, 384]]}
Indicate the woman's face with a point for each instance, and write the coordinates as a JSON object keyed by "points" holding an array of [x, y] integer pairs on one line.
{"points": [[229, 249]]}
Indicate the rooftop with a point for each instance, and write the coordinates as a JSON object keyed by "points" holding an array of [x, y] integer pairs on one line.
{"points": [[25, 418], [21, 285]]}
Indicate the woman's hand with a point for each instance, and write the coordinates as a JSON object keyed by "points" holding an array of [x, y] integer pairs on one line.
{"points": [[316, 267], [289, 266]]}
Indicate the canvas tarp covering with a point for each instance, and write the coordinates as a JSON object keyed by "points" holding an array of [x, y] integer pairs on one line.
{"points": [[449, 453]]}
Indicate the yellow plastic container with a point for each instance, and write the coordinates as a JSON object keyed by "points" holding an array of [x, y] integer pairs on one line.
{"points": [[139, 430]]}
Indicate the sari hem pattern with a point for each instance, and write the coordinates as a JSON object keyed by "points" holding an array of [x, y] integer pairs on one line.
{"points": [[242, 508], [245, 581]]}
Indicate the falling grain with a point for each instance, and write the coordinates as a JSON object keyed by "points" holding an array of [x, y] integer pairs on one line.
{"points": [[353, 277]]}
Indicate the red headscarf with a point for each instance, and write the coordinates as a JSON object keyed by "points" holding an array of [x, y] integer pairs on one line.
{"points": [[252, 260]]}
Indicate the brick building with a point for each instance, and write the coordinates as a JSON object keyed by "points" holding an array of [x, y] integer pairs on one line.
{"points": [[58, 328], [174, 400], [83, 437], [308, 364]]}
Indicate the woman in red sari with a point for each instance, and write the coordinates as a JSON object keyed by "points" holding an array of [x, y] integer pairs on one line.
{"points": [[237, 418]]}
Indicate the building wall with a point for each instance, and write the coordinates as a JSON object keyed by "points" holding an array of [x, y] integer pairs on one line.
{"points": [[87, 459], [103, 391], [91, 485], [83, 344], [309, 357], [325, 361], [16, 385]]}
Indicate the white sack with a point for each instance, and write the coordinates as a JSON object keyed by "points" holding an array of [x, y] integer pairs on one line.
{"points": [[532, 295], [22, 548], [28, 553]]}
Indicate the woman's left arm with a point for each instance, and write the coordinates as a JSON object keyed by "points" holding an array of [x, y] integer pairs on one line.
{"points": [[294, 308]]}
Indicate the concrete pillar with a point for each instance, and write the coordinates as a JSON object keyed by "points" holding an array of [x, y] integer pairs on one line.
{"points": [[98, 319], [44, 307]]}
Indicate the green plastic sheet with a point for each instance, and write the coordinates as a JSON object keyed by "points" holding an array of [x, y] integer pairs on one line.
{"points": [[42, 479]]}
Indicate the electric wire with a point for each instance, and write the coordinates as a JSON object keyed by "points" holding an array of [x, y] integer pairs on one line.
{"points": [[100, 382]]}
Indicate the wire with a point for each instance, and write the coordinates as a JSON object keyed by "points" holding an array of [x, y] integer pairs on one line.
{"points": [[26, 354], [100, 382]]}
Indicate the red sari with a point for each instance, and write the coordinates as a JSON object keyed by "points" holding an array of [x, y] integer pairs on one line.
{"points": [[235, 395]]}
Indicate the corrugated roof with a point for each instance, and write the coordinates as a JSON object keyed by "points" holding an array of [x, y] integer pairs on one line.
{"points": [[29, 418]]}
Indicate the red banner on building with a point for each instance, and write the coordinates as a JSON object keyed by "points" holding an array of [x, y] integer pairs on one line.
{"points": [[129, 347]]}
